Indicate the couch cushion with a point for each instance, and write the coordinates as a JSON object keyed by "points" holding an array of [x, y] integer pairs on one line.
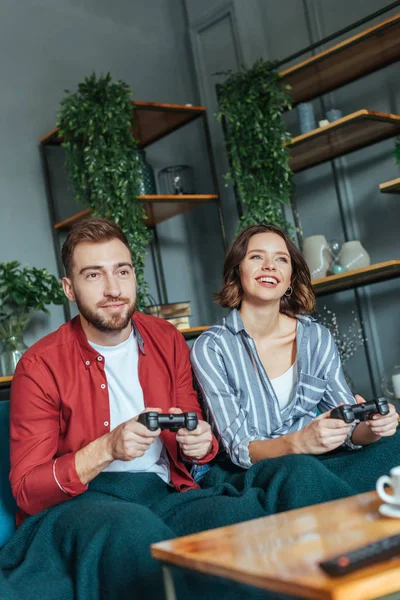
{"points": [[8, 507]]}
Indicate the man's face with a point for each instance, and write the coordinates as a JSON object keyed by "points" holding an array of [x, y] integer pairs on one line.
{"points": [[103, 284]]}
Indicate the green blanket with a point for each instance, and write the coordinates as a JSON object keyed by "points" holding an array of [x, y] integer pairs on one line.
{"points": [[96, 546]]}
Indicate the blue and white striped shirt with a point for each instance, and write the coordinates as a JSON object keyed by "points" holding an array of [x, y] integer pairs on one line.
{"points": [[239, 395]]}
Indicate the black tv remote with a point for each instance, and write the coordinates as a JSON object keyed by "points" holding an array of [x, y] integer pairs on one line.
{"points": [[362, 557]]}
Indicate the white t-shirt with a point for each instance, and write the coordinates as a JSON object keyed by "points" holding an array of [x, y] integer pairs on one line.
{"points": [[284, 386], [121, 365]]}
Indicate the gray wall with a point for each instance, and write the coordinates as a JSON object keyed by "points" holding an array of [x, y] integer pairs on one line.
{"points": [[47, 46], [227, 33]]}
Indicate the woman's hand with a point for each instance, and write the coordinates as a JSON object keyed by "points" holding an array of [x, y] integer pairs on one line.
{"points": [[381, 425], [321, 435]]}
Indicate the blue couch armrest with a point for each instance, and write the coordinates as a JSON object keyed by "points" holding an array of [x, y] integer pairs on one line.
{"points": [[8, 507]]}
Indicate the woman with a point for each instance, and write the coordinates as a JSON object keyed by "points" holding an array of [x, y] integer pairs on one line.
{"points": [[269, 373]]}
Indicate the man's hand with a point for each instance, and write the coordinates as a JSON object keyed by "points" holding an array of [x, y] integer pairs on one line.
{"points": [[196, 443], [381, 425], [321, 435], [131, 439]]}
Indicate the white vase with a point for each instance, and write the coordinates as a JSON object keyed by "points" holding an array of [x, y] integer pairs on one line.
{"points": [[317, 255], [354, 256]]}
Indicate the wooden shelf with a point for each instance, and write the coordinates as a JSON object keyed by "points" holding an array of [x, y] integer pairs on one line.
{"points": [[347, 61], [338, 283], [357, 278], [357, 130], [158, 208], [194, 332], [6, 381], [390, 187], [153, 121]]}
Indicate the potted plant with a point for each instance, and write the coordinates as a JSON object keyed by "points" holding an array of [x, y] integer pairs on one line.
{"points": [[251, 103], [103, 161], [23, 291]]}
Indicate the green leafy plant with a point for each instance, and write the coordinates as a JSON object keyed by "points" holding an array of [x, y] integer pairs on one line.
{"points": [[102, 160], [22, 292], [396, 152], [251, 102]]}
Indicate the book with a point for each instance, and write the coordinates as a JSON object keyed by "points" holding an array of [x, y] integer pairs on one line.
{"points": [[171, 310], [180, 322]]}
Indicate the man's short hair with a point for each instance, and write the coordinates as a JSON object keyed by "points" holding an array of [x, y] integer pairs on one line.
{"points": [[92, 231]]}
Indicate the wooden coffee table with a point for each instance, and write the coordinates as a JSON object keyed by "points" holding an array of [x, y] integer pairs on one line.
{"points": [[281, 552]]}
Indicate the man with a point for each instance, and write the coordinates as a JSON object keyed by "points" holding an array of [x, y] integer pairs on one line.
{"points": [[76, 397], [77, 393]]}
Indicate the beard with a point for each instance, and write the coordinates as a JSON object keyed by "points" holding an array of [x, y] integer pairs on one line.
{"points": [[107, 323]]}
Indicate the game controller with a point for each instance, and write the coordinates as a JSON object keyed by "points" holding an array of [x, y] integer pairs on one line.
{"points": [[154, 420], [361, 412]]}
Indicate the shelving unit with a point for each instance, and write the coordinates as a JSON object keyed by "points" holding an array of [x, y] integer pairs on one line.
{"points": [[390, 187], [6, 381], [359, 55], [158, 208], [357, 278], [352, 132], [338, 283], [153, 121], [194, 332]]}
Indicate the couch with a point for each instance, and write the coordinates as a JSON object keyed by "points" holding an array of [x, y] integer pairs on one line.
{"points": [[8, 508]]}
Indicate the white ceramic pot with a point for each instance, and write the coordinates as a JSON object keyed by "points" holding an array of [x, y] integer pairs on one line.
{"points": [[354, 256], [317, 255]]}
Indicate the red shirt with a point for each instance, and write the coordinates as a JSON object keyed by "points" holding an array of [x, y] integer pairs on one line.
{"points": [[60, 403]]}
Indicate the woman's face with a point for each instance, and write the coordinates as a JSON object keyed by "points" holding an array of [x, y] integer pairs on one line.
{"points": [[266, 269]]}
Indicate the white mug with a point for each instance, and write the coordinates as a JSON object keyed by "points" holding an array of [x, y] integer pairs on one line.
{"points": [[394, 482]]}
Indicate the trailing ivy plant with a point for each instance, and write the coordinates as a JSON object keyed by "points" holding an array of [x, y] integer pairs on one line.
{"points": [[396, 152], [251, 102], [102, 160]]}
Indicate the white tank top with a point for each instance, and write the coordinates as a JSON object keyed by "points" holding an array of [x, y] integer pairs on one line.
{"points": [[121, 365], [284, 386]]}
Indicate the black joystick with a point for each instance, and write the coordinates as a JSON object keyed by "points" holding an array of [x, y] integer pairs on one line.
{"points": [[361, 412], [154, 420]]}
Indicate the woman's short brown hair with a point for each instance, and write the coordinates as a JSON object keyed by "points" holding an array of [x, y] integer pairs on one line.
{"points": [[93, 231], [302, 299]]}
